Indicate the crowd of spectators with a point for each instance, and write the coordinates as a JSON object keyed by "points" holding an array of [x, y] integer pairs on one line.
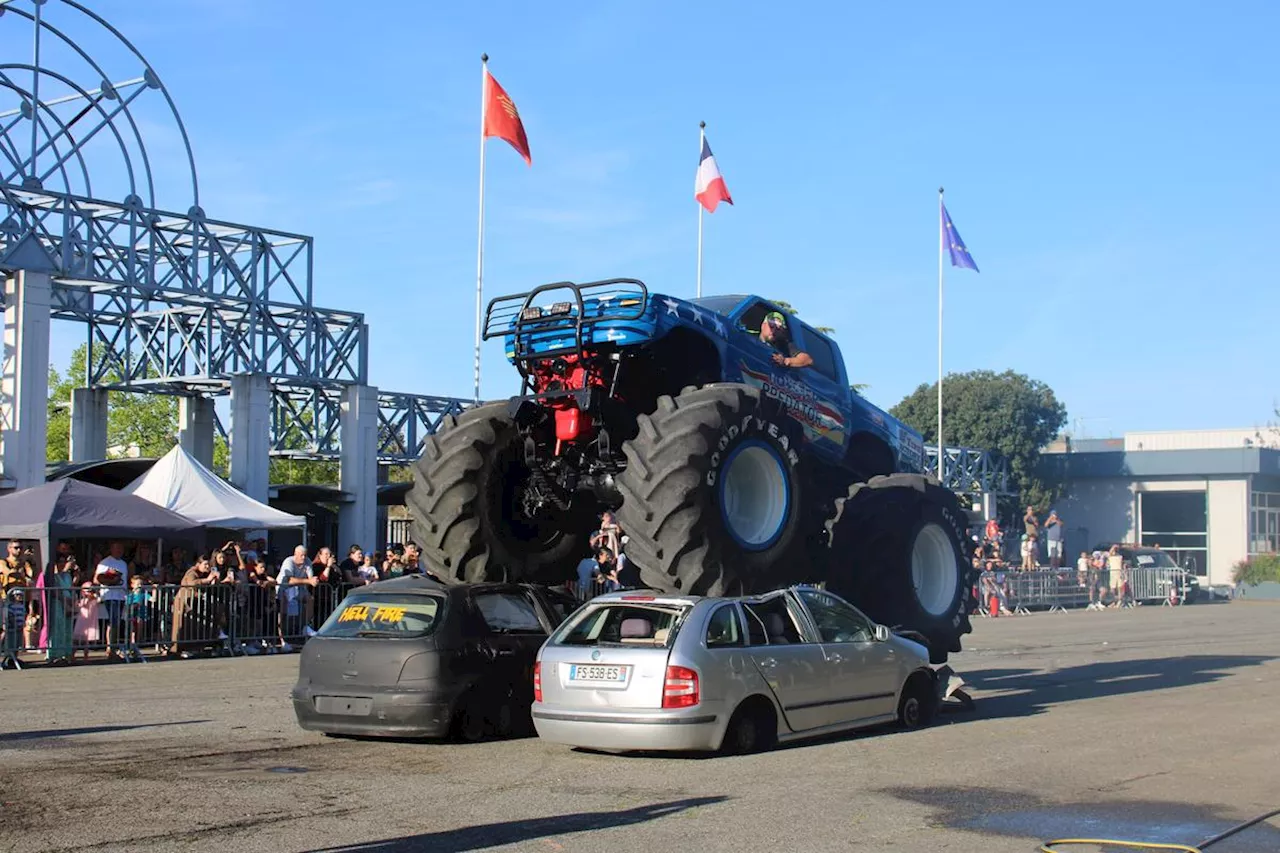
{"points": [[123, 598], [992, 549], [606, 568], [1105, 575]]}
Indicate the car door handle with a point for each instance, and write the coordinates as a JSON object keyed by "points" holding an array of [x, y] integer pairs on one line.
{"points": [[836, 658], [768, 662]]}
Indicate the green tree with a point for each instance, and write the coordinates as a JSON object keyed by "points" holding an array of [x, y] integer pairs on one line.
{"points": [[58, 438], [147, 422], [221, 457], [1006, 412]]}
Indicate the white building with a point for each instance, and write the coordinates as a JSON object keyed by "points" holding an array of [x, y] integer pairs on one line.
{"points": [[1209, 497]]}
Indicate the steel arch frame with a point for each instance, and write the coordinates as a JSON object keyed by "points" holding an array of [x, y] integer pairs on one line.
{"points": [[174, 303]]}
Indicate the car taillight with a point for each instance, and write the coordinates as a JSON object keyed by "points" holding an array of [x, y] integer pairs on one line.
{"points": [[537, 681], [680, 689]]}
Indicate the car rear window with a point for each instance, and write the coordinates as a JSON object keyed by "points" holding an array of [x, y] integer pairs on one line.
{"points": [[384, 616], [623, 624]]}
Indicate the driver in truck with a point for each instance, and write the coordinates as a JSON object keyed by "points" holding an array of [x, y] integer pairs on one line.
{"points": [[774, 332]]}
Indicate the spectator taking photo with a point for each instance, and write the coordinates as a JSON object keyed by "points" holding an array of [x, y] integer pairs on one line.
{"points": [[112, 574]]}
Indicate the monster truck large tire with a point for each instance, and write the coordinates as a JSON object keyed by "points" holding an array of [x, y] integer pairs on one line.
{"points": [[462, 500], [900, 551], [712, 493]]}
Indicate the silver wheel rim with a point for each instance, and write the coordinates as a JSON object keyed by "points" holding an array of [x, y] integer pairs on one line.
{"points": [[754, 496], [933, 570]]}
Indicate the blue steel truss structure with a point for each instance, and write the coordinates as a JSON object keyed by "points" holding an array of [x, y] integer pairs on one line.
{"points": [[174, 303]]}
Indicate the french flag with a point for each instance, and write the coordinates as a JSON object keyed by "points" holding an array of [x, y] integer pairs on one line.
{"points": [[709, 188]]}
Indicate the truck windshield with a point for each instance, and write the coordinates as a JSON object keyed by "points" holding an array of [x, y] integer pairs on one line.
{"points": [[722, 305], [383, 615], [623, 624]]}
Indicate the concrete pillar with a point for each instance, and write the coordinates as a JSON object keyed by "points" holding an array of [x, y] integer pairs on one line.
{"points": [[24, 379], [989, 510], [195, 428], [358, 519], [250, 434], [88, 424], [380, 522]]}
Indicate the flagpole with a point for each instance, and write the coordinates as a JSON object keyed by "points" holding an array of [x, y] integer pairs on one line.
{"points": [[941, 245], [484, 81], [702, 135]]}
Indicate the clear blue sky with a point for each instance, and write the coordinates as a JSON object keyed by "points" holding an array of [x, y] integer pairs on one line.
{"points": [[1112, 168]]}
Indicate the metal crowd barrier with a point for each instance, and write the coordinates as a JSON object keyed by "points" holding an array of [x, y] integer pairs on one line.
{"points": [[245, 618], [219, 618], [1059, 590], [1156, 584]]}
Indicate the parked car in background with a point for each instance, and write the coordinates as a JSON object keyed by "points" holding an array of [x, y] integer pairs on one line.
{"points": [[412, 657], [1143, 557], [653, 671]]}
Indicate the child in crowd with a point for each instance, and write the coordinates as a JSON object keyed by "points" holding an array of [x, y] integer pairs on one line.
{"points": [[138, 608], [85, 633], [368, 570]]}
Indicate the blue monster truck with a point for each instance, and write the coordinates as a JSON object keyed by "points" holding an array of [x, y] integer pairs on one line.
{"points": [[727, 471]]}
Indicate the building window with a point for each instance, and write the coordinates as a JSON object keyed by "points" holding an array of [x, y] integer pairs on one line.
{"points": [[1179, 523], [1264, 522]]}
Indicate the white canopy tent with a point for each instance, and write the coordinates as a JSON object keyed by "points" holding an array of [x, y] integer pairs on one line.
{"points": [[179, 482]]}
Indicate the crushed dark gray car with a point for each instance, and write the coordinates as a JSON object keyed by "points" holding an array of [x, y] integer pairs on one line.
{"points": [[413, 657]]}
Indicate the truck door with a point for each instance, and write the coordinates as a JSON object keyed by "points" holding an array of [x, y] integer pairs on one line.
{"points": [[825, 416]]}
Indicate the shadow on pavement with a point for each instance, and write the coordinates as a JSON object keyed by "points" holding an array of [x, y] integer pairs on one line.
{"points": [[41, 734], [1029, 693], [514, 831]]}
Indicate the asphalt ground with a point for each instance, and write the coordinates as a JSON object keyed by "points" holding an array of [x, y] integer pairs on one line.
{"points": [[1152, 723]]}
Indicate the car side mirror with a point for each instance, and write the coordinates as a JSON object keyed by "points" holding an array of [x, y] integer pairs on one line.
{"points": [[882, 634]]}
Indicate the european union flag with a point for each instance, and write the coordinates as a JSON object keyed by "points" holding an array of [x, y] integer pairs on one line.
{"points": [[960, 256]]}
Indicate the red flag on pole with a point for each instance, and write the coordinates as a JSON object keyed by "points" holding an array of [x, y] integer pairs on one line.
{"points": [[502, 119]]}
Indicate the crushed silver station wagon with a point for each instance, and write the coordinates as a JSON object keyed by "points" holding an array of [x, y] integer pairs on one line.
{"points": [[650, 671]]}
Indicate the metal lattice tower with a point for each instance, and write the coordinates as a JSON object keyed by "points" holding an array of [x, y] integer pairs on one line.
{"points": [[969, 471], [174, 303]]}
